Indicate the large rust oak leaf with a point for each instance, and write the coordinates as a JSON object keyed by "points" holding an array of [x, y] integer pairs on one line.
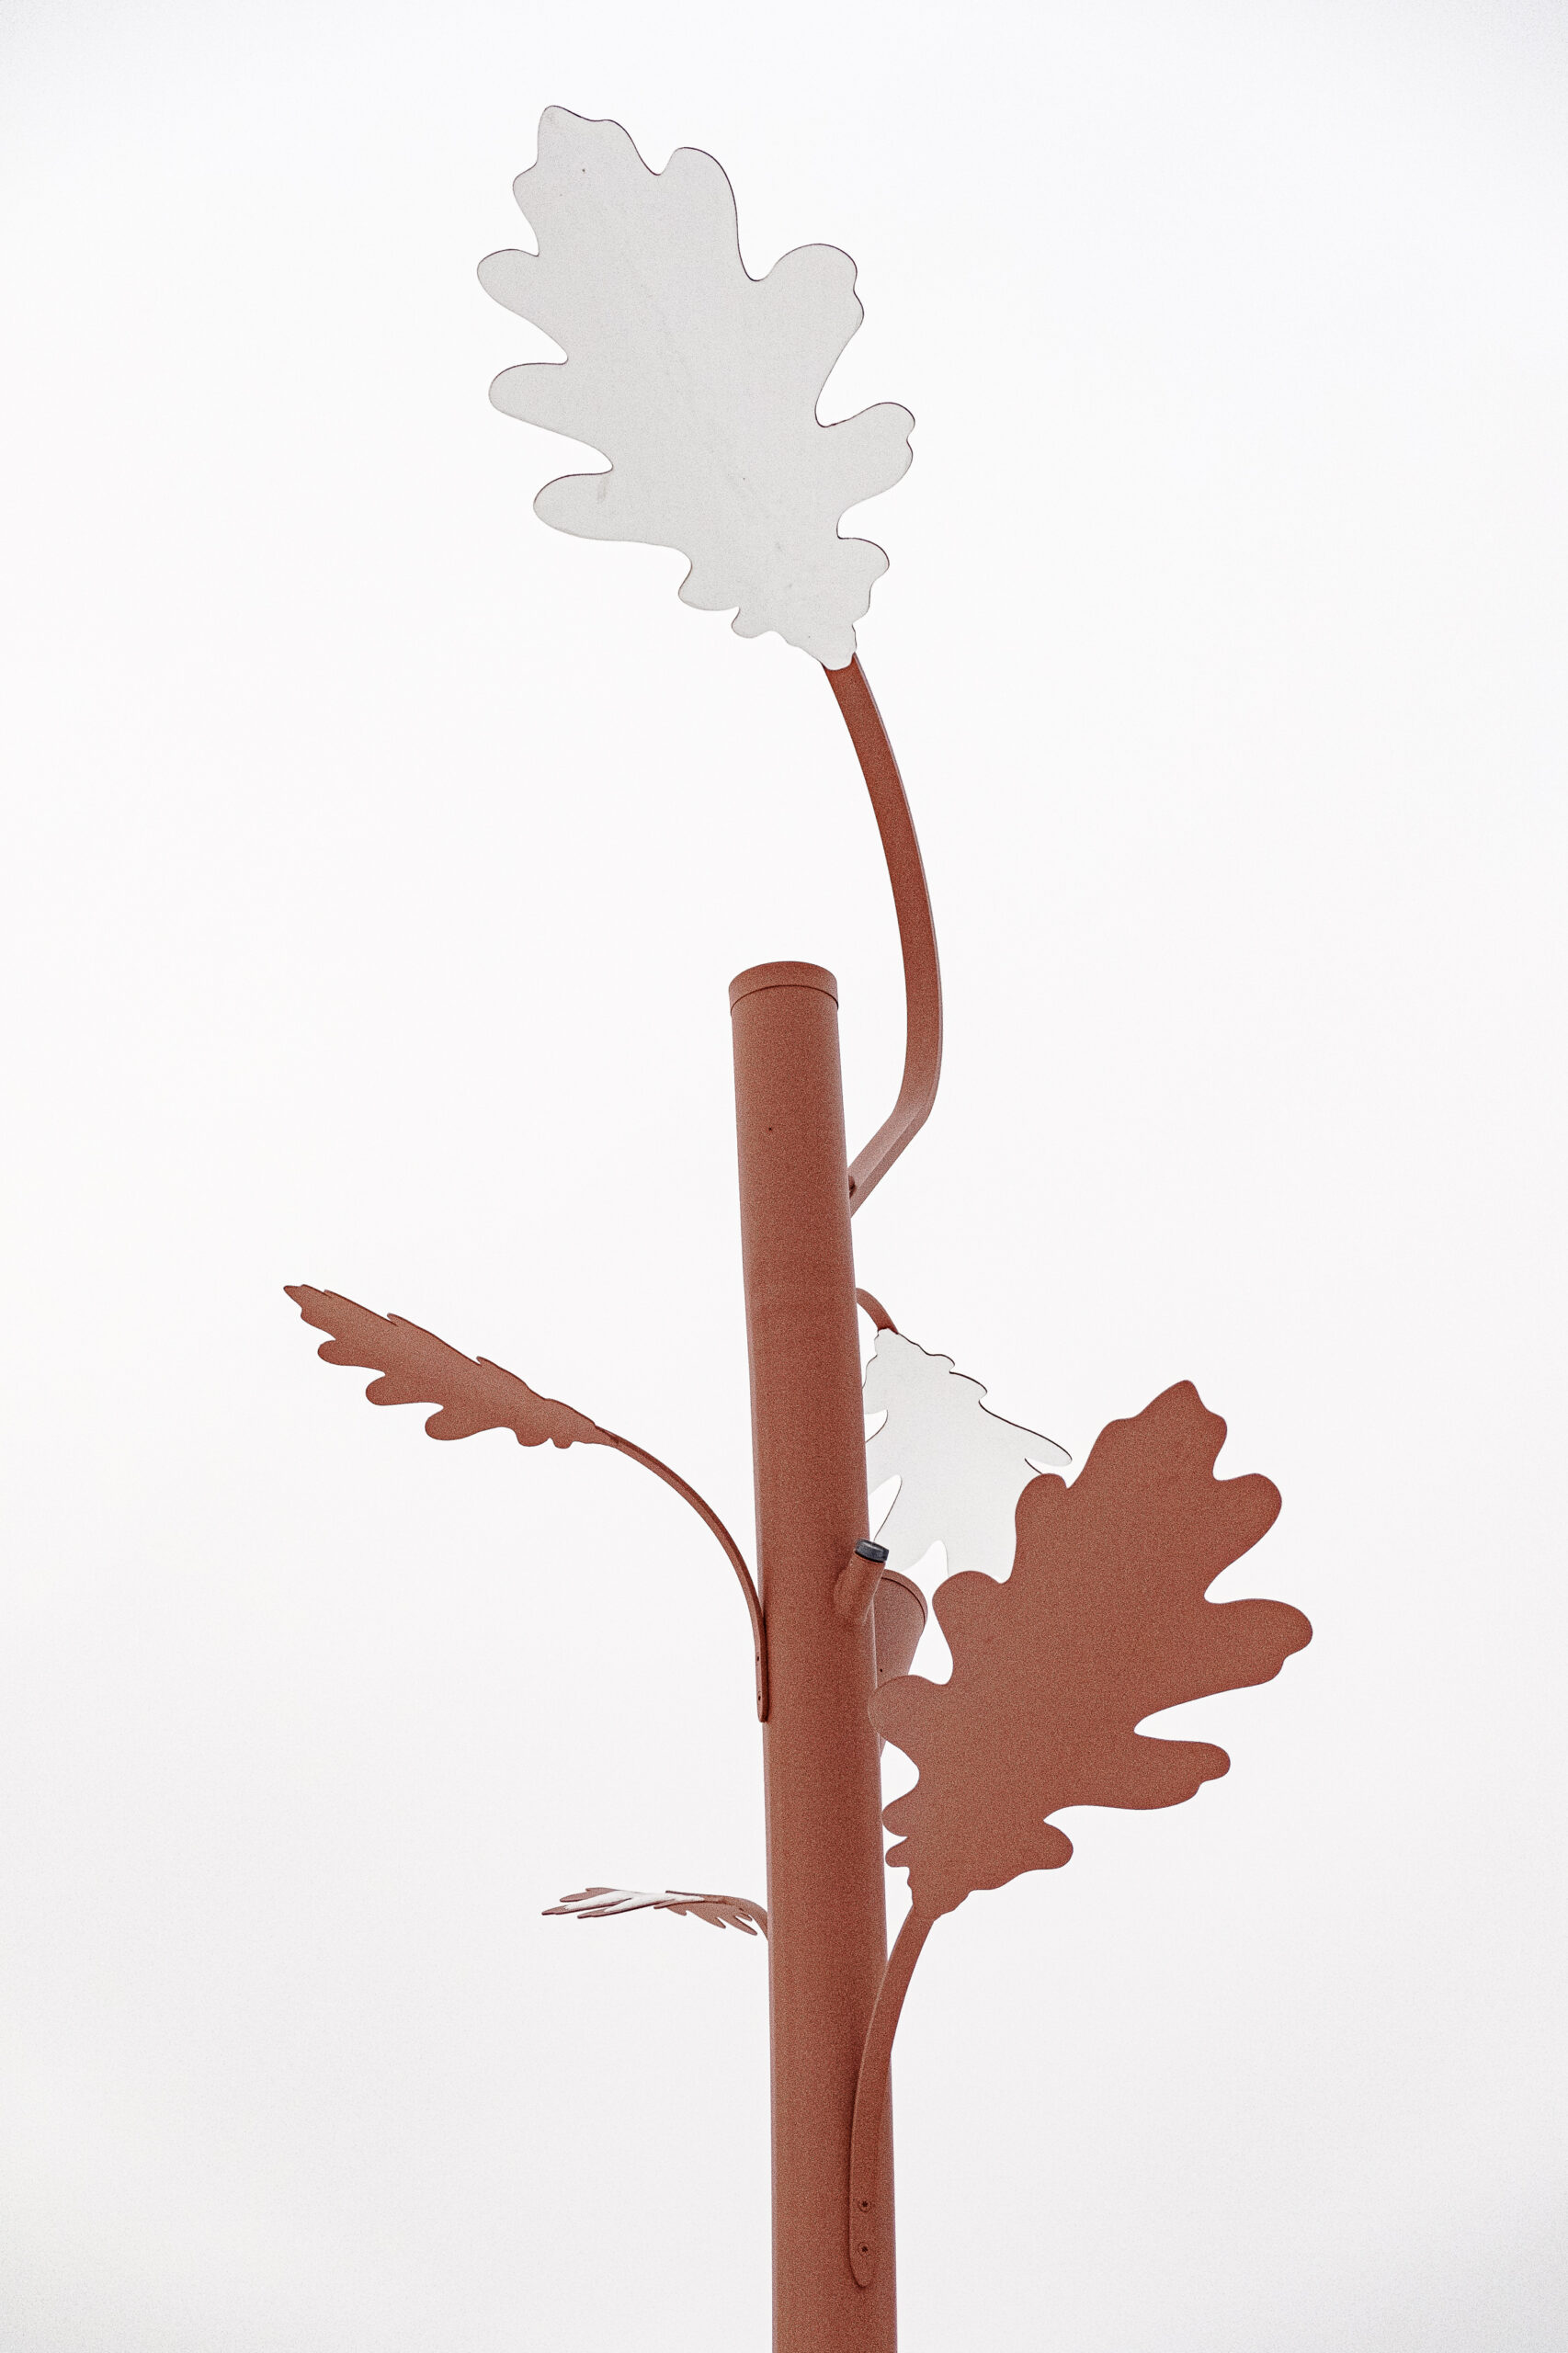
{"points": [[1102, 1623]]}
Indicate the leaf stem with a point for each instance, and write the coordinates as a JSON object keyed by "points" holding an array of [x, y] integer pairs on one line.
{"points": [[872, 2094], [916, 933], [732, 1553]]}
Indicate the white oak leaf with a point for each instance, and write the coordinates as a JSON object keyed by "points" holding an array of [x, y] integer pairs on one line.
{"points": [[698, 382], [961, 1468]]}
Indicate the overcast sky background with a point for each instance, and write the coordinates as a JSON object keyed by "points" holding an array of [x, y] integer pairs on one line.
{"points": [[377, 863]]}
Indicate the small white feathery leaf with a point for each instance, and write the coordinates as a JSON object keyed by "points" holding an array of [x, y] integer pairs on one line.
{"points": [[961, 1468], [698, 382], [609, 1903]]}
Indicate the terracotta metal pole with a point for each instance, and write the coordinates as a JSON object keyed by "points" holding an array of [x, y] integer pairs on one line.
{"points": [[828, 1940]]}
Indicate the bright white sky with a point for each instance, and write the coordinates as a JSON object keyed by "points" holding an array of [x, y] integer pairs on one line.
{"points": [[379, 859]]}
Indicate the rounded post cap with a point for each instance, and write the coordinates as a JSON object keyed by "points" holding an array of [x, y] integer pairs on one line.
{"points": [[783, 976]]}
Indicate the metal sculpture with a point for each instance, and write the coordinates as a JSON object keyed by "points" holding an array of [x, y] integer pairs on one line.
{"points": [[1077, 1611]]}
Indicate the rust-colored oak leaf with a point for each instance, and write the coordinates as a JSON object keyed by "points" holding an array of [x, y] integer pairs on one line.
{"points": [[1102, 1623], [612, 1902], [416, 1369]]}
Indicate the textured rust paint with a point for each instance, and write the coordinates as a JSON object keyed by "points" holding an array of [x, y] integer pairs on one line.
{"points": [[898, 1615], [873, 1307], [827, 1918], [1102, 1623], [917, 934], [620, 1903], [472, 1394]]}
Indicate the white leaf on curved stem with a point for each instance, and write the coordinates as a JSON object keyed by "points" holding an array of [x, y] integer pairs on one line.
{"points": [[698, 382]]}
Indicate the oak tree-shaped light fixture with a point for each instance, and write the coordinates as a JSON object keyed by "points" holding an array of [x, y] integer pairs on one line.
{"points": [[1076, 1611]]}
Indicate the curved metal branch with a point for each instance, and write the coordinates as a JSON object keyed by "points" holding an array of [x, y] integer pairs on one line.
{"points": [[732, 1553], [472, 1394], [876, 1311], [872, 2094], [917, 934]]}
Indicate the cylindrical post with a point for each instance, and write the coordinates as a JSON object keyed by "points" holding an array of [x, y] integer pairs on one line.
{"points": [[828, 1934]]}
